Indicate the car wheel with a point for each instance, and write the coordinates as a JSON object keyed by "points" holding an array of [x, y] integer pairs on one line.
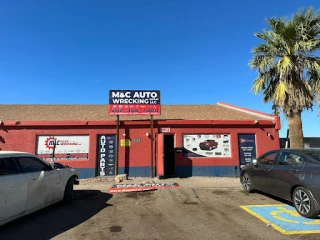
{"points": [[304, 203], [68, 192], [246, 183], [210, 148]]}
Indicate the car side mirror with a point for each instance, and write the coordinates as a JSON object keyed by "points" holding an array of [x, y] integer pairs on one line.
{"points": [[255, 162]]}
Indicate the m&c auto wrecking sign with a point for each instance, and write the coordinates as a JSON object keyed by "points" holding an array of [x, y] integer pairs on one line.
{"points": [[134, 102]]}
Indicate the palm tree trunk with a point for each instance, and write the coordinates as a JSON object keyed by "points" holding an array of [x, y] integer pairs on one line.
{"points": [[295, 131]]}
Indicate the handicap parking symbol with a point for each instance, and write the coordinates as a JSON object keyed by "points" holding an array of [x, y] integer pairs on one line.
{"points": [[284, 218]]}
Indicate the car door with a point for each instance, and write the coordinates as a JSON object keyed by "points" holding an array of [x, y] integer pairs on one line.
{"points": [[260, 174], [284, 174], [13, 189], [43, 182]]}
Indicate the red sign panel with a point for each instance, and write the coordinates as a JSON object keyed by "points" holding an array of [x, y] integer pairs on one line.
{"points": [[115, 109]]}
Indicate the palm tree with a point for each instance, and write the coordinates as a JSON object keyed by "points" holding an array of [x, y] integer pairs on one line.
{"points": [[288, 69]]}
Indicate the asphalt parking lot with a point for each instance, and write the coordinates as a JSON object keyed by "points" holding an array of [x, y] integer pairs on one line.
{"points": [[195, 211]]}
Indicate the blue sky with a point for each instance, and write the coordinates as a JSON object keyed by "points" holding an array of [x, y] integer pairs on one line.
{"points": [[194, 52]]}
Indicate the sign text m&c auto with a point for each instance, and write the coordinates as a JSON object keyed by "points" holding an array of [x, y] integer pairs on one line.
{"points": [[134, 102]]}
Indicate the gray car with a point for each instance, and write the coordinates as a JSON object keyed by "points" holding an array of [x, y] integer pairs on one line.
{"points": [[290, 174]]}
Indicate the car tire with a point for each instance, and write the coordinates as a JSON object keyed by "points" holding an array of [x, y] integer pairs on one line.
{"points": [[68, 192], [246, 183], [304, 203], [210, 148]]}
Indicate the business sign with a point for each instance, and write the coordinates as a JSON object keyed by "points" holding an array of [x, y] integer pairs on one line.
{"points": [[106, 155], [125, 142], [165, 130], [247, 148], [64, 147], [206, 145], [134, 102]]}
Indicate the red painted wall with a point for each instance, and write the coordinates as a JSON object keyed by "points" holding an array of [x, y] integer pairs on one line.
{"points": [[264, 143], [139, 153], [26, 140]]}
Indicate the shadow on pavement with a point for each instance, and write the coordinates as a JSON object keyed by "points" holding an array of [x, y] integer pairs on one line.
{"points": [[58, 218], [275, 198]]}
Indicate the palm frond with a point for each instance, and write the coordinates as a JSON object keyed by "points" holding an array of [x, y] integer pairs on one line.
{"points": [[258, 85], [284, 66], [280, 92], [288, 70]]}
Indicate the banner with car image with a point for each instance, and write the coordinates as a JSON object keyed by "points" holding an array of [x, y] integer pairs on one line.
{"points": [[206, 145]]}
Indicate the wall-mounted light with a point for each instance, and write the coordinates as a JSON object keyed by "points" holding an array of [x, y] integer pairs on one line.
{"points": [[256, 121], [268, 134], [124, 134], [147, 134]]}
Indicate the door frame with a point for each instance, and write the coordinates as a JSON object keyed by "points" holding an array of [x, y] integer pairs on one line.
{"points": [[174, 155], [157, 151]]}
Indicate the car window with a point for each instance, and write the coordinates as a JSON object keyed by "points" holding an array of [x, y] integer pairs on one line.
{"points": [[31, 164], [287, 158], [268, 159], [314, 153], [8, 166]]}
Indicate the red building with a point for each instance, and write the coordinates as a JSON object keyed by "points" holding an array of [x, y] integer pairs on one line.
{"points": [[188, 140]]}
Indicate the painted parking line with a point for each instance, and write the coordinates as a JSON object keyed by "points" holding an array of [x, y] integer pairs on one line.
{"points": [[284, 218]]}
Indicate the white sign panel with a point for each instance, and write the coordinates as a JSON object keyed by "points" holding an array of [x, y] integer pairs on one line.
{"points": [[206, 145], [66, 147], [165, 130]]}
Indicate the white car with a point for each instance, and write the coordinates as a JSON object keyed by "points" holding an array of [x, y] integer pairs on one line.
{"points": [[28, 183]]}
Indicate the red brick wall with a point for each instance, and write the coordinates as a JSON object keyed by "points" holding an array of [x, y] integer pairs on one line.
{"points": [[138, 154]]}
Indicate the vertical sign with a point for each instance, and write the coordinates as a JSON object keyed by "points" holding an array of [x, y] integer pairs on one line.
{"points": [[106, 155], [247, 148]]}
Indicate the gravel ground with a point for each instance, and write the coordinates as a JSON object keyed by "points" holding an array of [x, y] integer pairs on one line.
{"points": [[104, 183], [203, 208]]}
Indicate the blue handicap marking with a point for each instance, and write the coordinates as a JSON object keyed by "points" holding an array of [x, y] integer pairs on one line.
{"points": [[284, 218]]}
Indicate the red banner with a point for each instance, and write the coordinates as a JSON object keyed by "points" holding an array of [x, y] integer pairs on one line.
{"points": [[134, 109]]}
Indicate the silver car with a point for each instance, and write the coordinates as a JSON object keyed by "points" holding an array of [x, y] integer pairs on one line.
{"points": [[290, 174]]}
